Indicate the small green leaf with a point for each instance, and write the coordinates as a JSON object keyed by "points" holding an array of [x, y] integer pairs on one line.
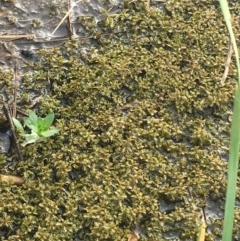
{"points": [[31, 121], [32, 117], [41, 125], [18, 125], [50, 132], [48, 120], [30, 138], [32, 127]]}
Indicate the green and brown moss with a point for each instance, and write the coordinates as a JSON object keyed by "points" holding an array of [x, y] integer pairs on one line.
{"points": [[143, 117]]}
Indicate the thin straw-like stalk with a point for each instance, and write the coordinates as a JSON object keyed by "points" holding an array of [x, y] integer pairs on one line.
{"points": [[234, 140], [68, 12], [227, 17]]}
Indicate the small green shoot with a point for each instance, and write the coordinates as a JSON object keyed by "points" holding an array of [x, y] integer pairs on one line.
{"points": [[39, 127]]}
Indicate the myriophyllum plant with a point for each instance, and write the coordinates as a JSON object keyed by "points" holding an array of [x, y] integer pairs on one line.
{"points": [[40, 127]]}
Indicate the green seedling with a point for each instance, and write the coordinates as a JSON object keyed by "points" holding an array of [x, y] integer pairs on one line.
{"points": [[39, 127]]}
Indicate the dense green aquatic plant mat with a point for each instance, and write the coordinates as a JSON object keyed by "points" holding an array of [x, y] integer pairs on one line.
{"points": [[143, 118]]}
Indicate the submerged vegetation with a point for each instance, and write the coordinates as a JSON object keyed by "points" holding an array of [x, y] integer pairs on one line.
{"points": [[143, 119]]}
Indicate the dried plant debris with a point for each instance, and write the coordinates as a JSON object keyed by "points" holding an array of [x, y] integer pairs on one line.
{"points": [[110, 166], [13, 179]]}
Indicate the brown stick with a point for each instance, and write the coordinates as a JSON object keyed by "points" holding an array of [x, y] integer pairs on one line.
{"points": [[16, 36], [227, 63], [70, 27], [8, 178], [9, 118], [21, 112], [14, 104]]}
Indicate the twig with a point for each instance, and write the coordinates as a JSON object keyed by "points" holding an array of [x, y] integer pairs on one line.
{"points": [[227, 63], [16, 36], [9, 118], [21, 112], [36, 100], [68, 12], [8, 178], [70, 27], [15, 77], [202, 228], [14, 104]]}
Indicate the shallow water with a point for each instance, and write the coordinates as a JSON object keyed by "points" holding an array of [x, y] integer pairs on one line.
{"points": [[4, 142]]}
